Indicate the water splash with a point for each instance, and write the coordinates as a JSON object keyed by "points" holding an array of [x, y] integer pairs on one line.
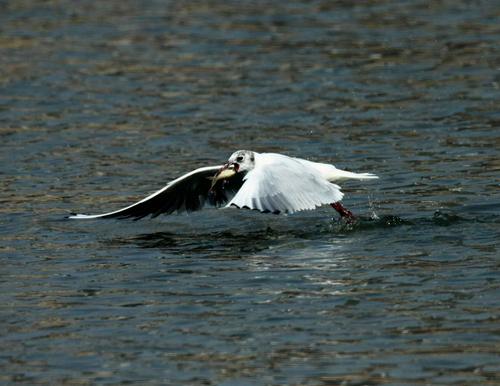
{"points": [[371, 206], [367, 223]]}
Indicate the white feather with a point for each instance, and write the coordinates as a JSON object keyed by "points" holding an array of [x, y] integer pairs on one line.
{"points": [[284, 184], [332, 174]]}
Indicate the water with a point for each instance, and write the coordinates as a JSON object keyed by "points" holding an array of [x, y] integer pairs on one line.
{"points": [[102, 103]]}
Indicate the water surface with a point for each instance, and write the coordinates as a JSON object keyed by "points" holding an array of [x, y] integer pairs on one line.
{"points": [[102, 103]]}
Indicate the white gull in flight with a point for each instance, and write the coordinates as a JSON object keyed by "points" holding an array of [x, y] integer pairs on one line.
{"points": [[268, 182]]}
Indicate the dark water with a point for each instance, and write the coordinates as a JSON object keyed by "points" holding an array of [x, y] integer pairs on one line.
{"points": [[102, 103]]}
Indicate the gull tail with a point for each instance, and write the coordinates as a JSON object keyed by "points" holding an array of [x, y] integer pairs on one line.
{"points": [[340, 175]]}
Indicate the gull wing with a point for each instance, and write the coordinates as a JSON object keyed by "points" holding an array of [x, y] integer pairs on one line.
{"points": [[188, 193], [281, 184]]}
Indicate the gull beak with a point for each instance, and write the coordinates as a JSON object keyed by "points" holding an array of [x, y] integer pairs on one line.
{"points": [[227, 171]]}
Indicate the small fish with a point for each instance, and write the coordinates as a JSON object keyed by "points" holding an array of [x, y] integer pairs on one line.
{"points": [[227, 171]]}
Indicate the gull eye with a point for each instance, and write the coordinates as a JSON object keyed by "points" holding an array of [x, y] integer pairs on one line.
{"points": [[239, 158]]}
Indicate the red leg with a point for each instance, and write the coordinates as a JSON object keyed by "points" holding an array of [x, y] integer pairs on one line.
{"points": [[342, 211]]}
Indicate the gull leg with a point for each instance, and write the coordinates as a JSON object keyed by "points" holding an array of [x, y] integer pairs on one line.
{"points": [[342, 211]]}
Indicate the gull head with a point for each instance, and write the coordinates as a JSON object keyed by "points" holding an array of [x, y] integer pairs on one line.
{"points": [[241, 161]]}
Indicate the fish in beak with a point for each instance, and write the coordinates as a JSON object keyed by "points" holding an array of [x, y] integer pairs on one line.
{"points": [[225, 172]]}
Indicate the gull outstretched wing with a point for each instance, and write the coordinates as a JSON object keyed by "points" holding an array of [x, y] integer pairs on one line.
{"points": [[187, 193]]}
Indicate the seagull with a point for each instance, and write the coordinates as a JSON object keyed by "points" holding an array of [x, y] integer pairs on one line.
{"points": [[266, 182]]}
